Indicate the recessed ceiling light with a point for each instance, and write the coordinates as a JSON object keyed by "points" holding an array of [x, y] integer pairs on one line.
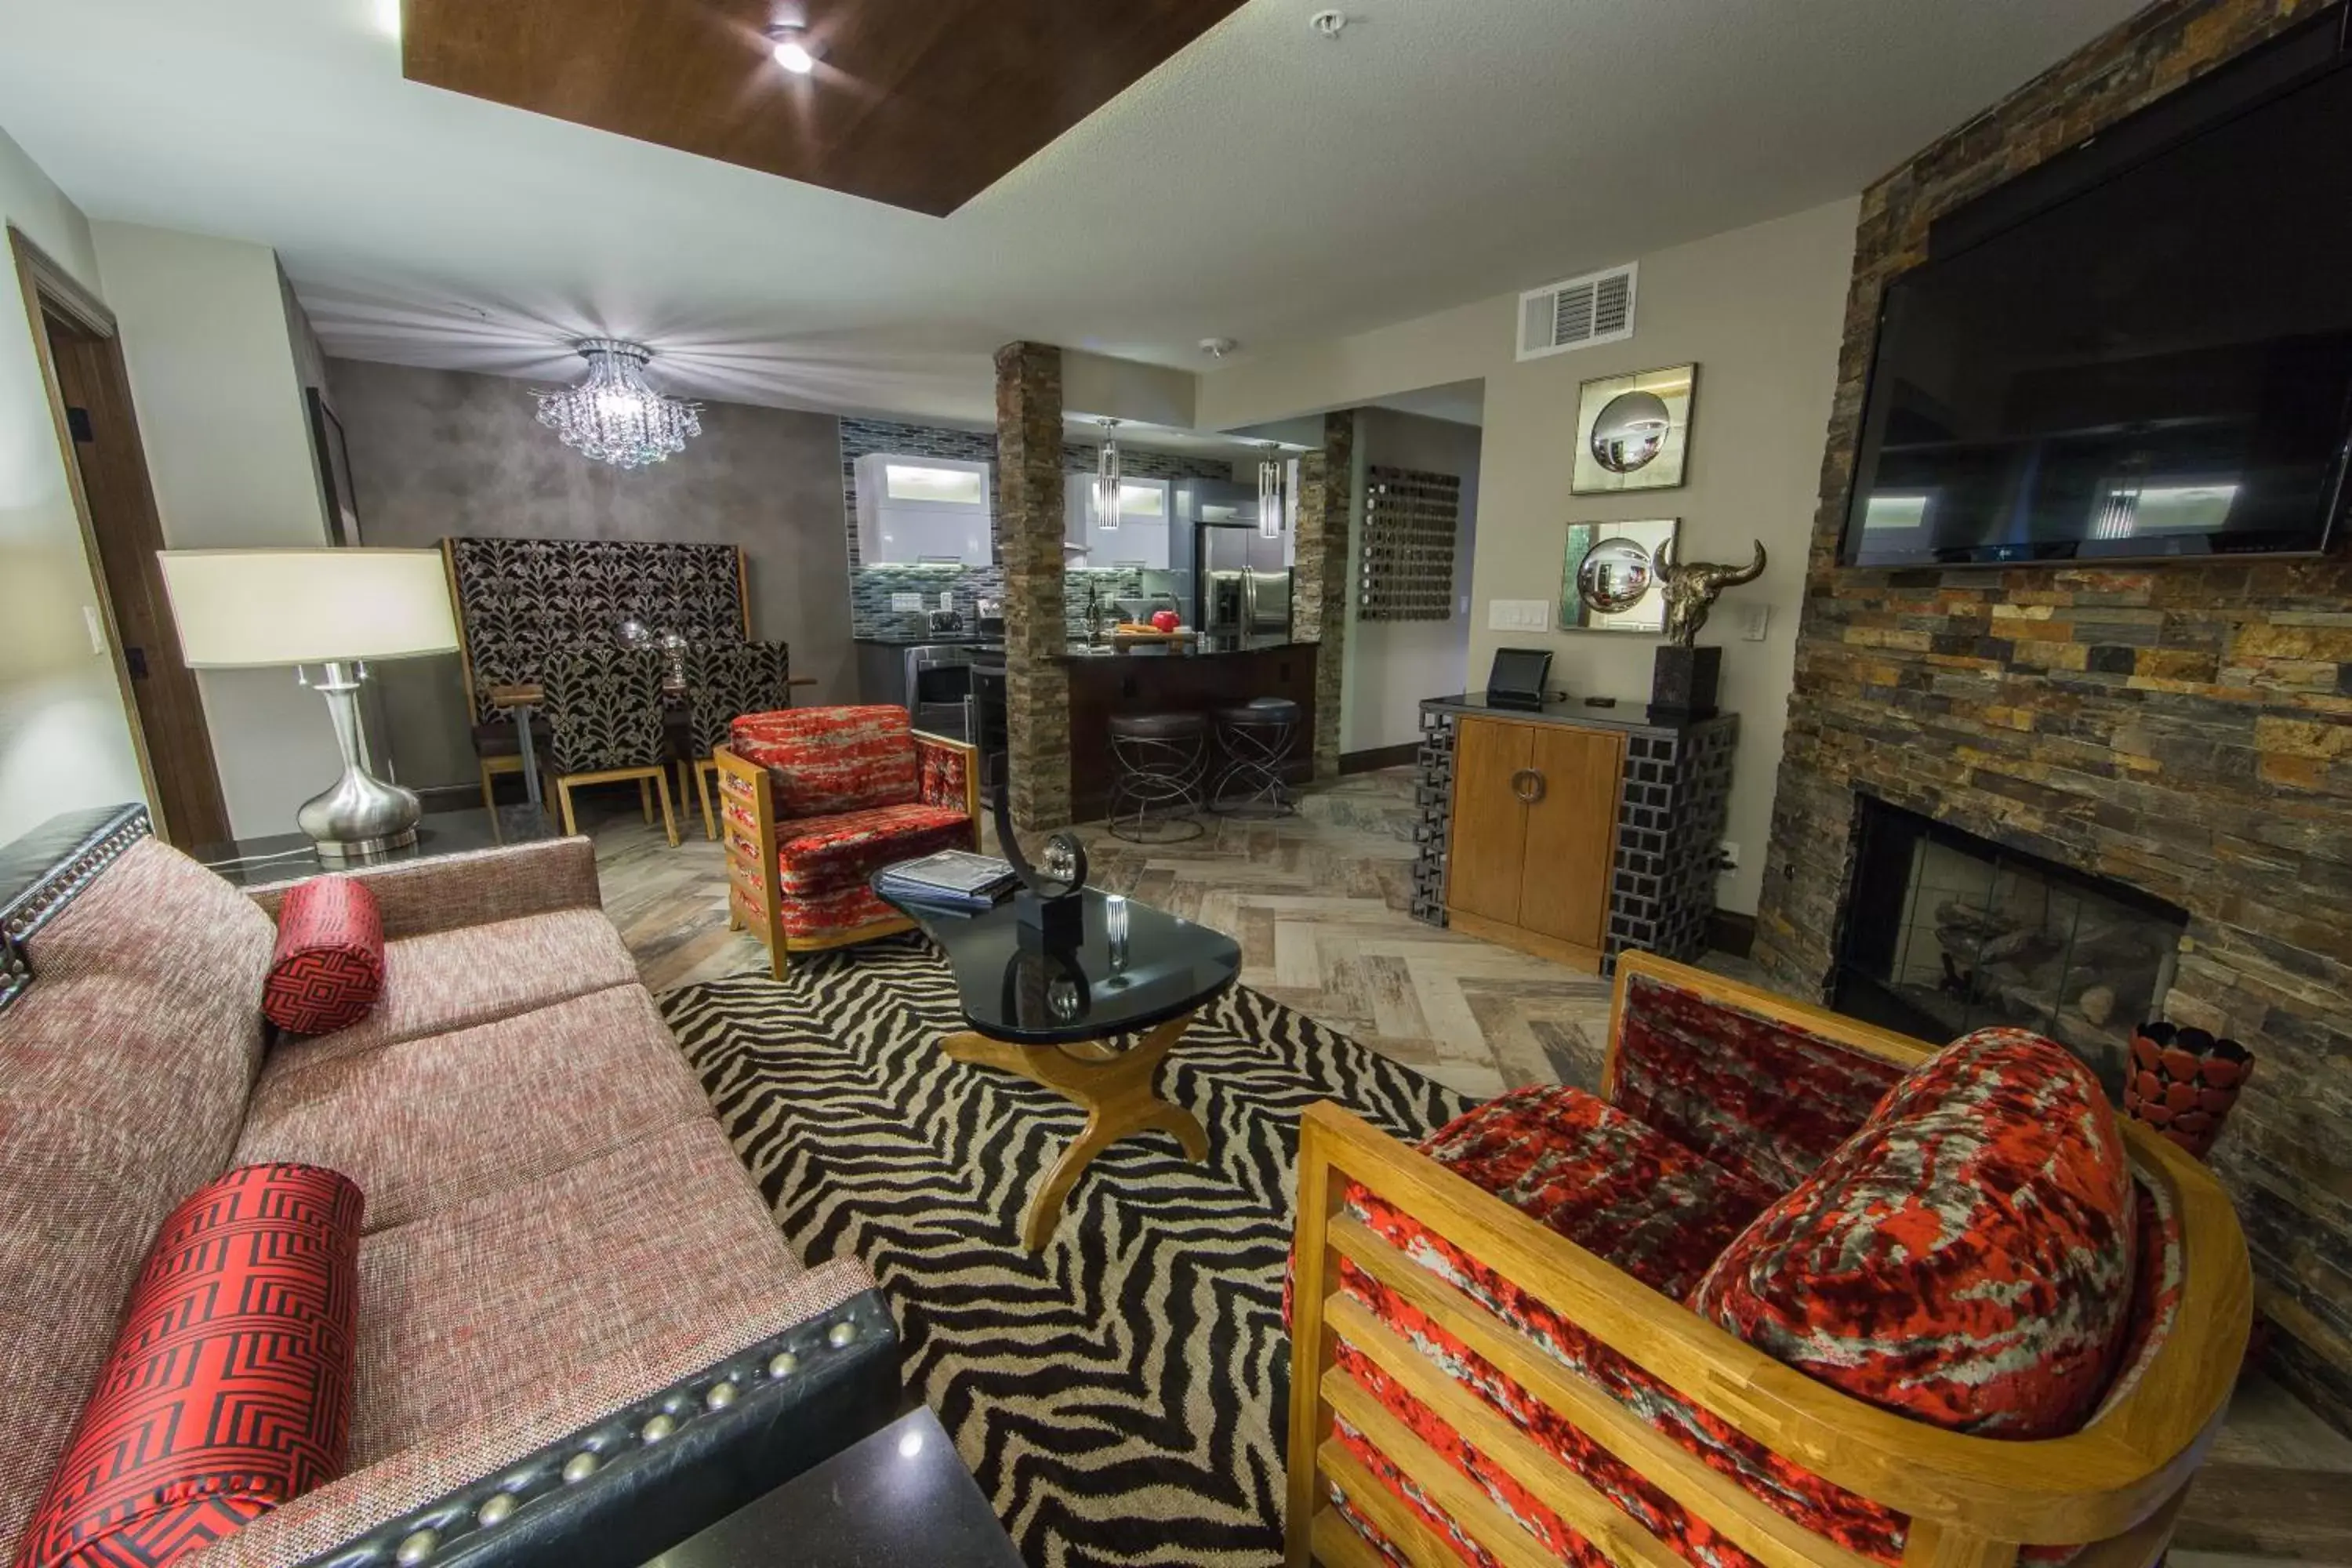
{"points": [[1218, 348], [1330, 24], [792, 50]]}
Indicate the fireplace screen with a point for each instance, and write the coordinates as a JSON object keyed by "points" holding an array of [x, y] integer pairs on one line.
{"points": [[1948, 933]]}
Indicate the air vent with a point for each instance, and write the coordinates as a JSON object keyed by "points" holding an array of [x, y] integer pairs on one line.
{"points": [[1597, 307]]}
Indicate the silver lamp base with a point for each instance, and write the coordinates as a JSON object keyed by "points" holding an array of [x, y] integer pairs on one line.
{"points": [[359, 816]]}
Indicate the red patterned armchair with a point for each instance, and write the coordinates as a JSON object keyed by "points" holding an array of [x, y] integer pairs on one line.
{"points": [[1790, 1290], [814, 800]]}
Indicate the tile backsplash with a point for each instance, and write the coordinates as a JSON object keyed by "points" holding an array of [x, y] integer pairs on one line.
{"points": [[870, 587]]}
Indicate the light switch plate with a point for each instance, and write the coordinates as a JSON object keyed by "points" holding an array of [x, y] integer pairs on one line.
{"points": [[1519, 614], [906, 601], [1759, 622]]}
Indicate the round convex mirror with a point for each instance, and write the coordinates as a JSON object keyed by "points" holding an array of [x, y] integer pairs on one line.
{"points": [[1630, 431], [1615, 576]]}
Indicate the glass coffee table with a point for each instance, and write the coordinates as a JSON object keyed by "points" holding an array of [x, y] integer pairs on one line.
{"points": [[1057, 1013]]}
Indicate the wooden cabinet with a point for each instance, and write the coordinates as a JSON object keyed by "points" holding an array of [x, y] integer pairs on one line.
{"points": [[1534, 836]]}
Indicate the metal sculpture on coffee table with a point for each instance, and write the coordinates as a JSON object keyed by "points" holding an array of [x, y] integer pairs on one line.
{"points": [[1051, 902], [1684, 676]]}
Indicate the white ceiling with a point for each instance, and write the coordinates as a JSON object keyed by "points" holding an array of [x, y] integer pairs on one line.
{"points": [[1459, 401], [1265, 184]]}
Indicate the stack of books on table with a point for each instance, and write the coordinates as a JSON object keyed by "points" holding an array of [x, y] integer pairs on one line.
{"points": [[951, 879]]}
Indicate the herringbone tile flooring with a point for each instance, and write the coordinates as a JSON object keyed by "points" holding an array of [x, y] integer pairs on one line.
{"points": [[1317, 902]]}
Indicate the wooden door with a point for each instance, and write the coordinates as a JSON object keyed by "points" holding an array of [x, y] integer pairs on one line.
{"points": [[1489, 852], [1572, 834], [119, 505]]}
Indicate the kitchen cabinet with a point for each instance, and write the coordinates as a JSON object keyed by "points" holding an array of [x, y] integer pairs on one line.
{"points": [[1140, 539], [917, 511], [1533, 836]]}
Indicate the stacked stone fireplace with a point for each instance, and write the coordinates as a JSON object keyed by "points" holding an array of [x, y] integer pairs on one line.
{"points": [[2183, 730]]}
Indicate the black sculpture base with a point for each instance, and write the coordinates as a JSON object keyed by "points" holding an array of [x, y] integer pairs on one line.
{"points": [[1682, 680], [1050, 924]]}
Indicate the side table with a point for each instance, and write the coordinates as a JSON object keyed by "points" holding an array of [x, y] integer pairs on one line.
{"points": [[900, 1496], [292, 856]]}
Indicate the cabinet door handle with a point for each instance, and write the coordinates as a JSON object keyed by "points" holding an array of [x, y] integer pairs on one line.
{"points": [[1528, 786]]}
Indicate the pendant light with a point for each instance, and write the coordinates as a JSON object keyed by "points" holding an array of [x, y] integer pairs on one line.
{"points": [[1272, 505], [1107, 480]]}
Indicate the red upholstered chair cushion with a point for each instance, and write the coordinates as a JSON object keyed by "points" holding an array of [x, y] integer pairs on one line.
{"points": [[1965, 1259], [817, 854], [826, 760], [1754, 1093], [1600, 1178], [327, 968], [229, 1387]]}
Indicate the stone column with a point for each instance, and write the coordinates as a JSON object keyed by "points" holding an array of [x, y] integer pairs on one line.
{"points": [[1029, 541], [1319, 613]]}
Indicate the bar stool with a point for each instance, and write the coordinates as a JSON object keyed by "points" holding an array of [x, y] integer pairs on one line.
{"points": [[1161, 760], [1256, 738]]}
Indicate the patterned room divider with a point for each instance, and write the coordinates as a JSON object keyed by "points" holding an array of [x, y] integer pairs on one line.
{"points": [[520, 599]]}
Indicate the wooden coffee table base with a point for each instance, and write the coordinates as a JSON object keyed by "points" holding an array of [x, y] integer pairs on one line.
{"points": [[1114, 1085]]}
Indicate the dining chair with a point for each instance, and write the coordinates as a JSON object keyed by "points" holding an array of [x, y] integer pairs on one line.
{"points": [[604, 709], [724, 682]]}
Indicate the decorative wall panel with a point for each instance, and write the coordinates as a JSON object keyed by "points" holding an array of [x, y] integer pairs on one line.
{"points": [[519, 600], [1413, 525]]}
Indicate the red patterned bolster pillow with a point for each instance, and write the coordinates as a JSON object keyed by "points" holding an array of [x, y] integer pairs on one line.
{"points": [[328, 970], [1966, 1258], [229, 1388]]}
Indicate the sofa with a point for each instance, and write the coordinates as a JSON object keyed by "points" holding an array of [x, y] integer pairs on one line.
{"points": [[1790, 1290], [558, 1246], [813, 800]]}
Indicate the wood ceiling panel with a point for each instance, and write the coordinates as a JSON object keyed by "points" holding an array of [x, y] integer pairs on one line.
{"points": [[919, 104]]}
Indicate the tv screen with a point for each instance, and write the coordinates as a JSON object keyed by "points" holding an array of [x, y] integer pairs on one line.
{"points": [[2159, 366]]}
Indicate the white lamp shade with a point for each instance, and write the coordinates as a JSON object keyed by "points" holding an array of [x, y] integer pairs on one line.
{"points": [[237, 608]]}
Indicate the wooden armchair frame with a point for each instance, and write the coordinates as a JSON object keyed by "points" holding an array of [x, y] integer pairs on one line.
{"points": [[1972, 1502], [755, 878]]}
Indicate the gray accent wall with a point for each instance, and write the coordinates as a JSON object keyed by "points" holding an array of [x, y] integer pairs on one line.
{"points": [[436, 454]]}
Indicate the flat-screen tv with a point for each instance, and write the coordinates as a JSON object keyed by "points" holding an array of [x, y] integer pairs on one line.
{"points": [[2158, 367]]}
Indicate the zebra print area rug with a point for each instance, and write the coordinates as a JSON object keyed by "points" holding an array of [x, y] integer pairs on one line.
{"points": [[1119, 1396]]}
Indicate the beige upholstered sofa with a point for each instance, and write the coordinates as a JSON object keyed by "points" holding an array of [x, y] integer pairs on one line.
{"points": [[560, 1243]]}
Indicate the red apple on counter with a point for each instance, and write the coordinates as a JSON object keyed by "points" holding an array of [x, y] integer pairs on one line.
{"points": [[1165, 620]]}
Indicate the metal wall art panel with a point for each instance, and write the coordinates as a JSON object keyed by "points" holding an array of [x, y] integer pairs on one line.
{"points": [[1412, 526]]}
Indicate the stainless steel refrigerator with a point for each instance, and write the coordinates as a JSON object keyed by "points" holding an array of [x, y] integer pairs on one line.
{"points": [[1241, 579]]}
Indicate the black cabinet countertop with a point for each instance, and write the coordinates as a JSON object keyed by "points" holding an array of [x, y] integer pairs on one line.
{"points": [[1627, 716]]}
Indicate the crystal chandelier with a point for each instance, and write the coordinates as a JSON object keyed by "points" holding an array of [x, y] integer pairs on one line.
{"points": [[1273, 501], [1107, 478], [615, 416]]}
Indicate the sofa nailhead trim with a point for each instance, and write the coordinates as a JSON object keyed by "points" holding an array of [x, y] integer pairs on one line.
{"points": [[418, 1535]]}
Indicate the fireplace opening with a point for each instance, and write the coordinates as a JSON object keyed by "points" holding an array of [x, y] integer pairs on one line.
{"points": [[1945, 933]]}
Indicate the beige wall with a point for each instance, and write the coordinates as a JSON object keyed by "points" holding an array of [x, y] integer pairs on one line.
{"points": [[1761, 310], [65, 734], [213, 376]]}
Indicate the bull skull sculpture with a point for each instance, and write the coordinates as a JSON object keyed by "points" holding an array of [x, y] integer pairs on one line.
{"points": [[1691, 589]]}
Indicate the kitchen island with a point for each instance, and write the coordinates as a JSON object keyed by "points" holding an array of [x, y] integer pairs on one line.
{"points": [[1193, 677]]}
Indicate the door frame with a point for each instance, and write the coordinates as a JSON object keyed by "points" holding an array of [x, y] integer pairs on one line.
{"points": [[49, 290]]}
